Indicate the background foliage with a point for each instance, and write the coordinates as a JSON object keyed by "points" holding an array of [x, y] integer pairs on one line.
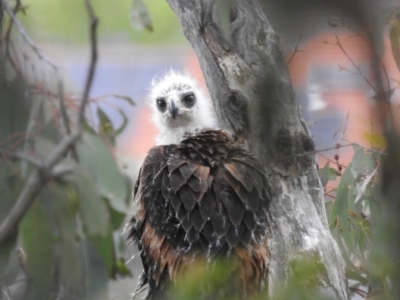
{"points": [[66, 244]]}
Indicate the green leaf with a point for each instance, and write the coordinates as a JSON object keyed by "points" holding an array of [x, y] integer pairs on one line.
{"points": [[96, 157], [43, 146], [364, 185], [92, 206], [327, 174], [7, 199], [63, 109], [105, 247], [123, 97], [15, 108], [394, 36], [8, 270], [50, 131], [324, 174], [36, 230], [121, 269], [71, 259], [356, 276], [97, 279], [340, 206], [139, 16], [106, 128], [125, 122], [363, 163], [116, 218]]}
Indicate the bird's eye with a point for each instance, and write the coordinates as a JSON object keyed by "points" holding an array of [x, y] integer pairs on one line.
{"points": [[161, 104], [189, 100]]}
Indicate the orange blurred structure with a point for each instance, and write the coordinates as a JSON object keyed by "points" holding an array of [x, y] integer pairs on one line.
{"points": [[332, 80]]}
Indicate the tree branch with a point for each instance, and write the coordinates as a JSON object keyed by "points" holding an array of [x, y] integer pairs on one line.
{"points": [[249, 83], [37, 179]]}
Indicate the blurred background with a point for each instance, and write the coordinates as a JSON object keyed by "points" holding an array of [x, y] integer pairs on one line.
{"points": [[330, 81], [327, 58]]}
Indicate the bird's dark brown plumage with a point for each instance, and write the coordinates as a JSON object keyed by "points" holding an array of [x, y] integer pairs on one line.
{"points": [[206, 197]]}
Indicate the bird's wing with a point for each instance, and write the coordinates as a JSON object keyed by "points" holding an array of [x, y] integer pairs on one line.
{"points": [[189, 206]]}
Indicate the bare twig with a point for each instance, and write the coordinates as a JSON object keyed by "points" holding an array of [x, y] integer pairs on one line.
{"points": [[359, 292], [25, 35], [376, 55], [296, 49], [89, 78], [338, 146], [36, 181], [49, 170], [339, 44], [21, 155]]}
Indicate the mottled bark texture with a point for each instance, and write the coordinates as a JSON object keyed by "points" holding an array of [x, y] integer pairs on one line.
{"points": [[249, 83]]}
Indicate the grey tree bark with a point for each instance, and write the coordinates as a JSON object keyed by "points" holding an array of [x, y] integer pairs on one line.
{"points": [[248, 80]]}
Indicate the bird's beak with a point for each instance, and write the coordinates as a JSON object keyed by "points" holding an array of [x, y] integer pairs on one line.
{"points": [[173, 109]]}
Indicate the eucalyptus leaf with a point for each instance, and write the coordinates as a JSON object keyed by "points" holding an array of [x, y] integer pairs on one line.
{"points": [[140, 17], [116, 217], [364, 185], [8, 272], [15, 108], [70, 256], [7, 199], [344, 250], [324, 174], [92, 206], [123, 97], [43, 146], [96, 158], [125, 122], [106, 128], [363, 162], [36, 230], [121, 268], [340, 206], [353, 275], [97, 274], [105, 247], [61, 102]]}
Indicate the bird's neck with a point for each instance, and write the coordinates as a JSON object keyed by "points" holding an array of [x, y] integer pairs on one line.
{"points": [[174, 135]]}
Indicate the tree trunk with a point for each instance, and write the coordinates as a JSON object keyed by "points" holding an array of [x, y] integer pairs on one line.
{"points": [[248, 80]]}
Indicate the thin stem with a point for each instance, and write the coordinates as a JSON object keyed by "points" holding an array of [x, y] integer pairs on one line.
{"points": [[89, 78], [296, 49]]}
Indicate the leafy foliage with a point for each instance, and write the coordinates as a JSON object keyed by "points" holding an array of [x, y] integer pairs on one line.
{"points": [[66, 241], [351, 212]]}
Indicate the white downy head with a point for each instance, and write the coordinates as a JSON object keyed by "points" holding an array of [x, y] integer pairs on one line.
{"points": [[179, 106]]}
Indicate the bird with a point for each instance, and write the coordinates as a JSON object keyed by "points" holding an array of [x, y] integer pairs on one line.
{"points": [[179, 106], [200, 195]]}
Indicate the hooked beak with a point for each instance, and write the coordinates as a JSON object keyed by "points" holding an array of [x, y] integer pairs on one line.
{"points": [[173, 109]]}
